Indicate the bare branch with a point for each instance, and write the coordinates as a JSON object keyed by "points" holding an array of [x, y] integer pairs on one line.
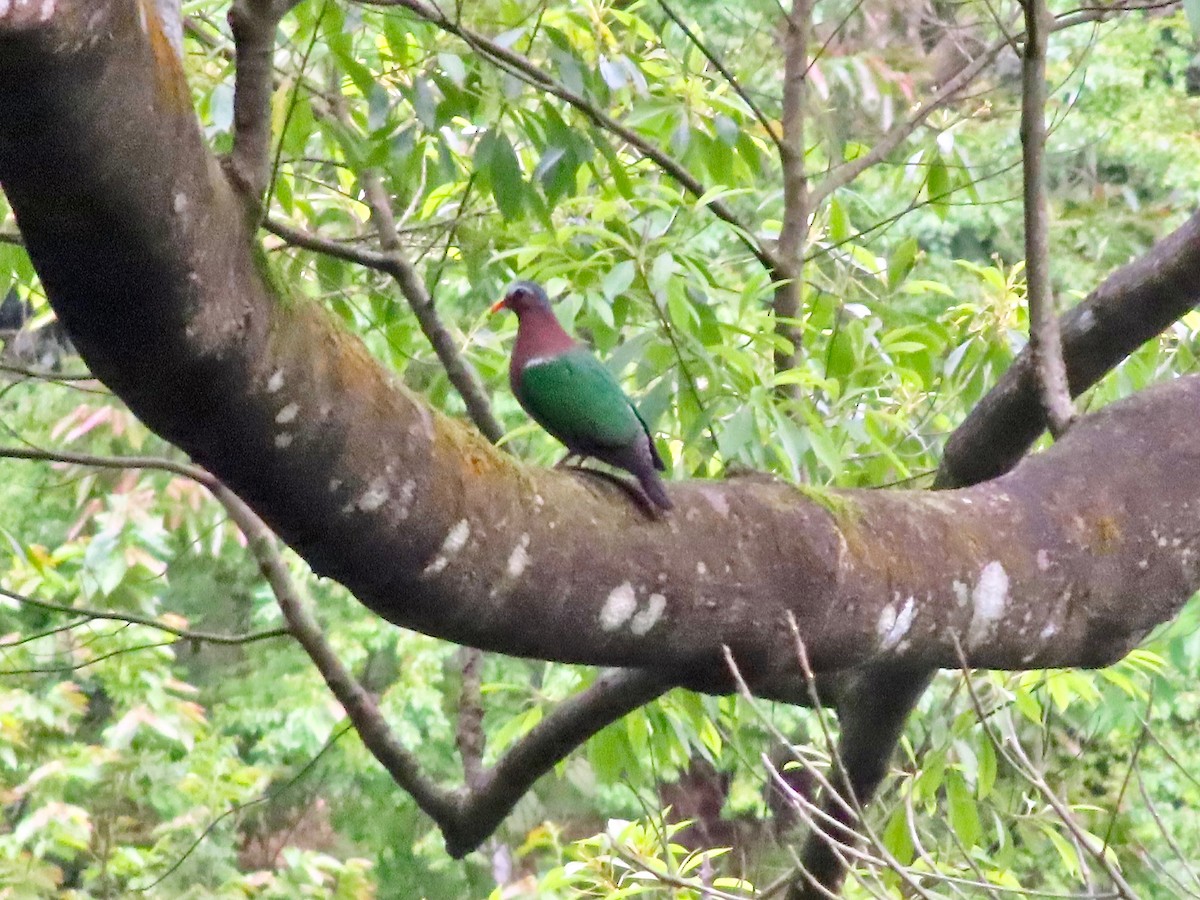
{"points": [[461, 374], [842, 175], [47, 375], [789, 292], [371, 259], [253, 23], [468, 734], [207, 637], [1045, 342], [440, 804], [113, 462]]}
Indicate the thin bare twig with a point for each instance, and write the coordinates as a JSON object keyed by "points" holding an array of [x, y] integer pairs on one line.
{"points": [[46, 375], [1023, 766], [730, 78], [1045, 340], [113, 462], [461, 374], [131, 619], [793, 237], [468, 735]]}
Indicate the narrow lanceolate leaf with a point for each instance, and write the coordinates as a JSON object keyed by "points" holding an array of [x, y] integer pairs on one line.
{"points": [[504, 169]]}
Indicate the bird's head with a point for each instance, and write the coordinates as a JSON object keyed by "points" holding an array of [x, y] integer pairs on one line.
{"points": [[521, 297]]}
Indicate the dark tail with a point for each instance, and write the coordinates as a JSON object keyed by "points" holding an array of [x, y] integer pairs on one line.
{"points": [[652, 485]]}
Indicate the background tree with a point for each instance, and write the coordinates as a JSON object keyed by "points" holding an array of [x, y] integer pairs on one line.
{"points": [[810, 268]]}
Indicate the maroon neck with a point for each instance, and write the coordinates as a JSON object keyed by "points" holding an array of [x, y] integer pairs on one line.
{"points": [[538, 335]]}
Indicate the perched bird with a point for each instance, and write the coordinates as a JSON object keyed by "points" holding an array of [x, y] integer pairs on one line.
{"points": [[569, 393]]}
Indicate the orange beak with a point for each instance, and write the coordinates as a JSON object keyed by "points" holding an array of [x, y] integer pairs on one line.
{"points": [[497, 306]]}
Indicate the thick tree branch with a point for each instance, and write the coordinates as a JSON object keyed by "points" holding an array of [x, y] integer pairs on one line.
{"points": [[1045, 342], [466, 816], [1131, 306]]}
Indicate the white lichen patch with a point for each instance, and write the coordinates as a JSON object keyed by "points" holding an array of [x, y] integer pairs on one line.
{"points": [[456, 539], [283, 440], [1049, 631], [334, 484], [287, 414], [407, 491], [519, 558], [373, 497], [275, 382], [648, 617], [701, 569], [893, 625], [619, 607], [990, 601], [181, 203], [716, 499], [1043, 560], [962, 592]]}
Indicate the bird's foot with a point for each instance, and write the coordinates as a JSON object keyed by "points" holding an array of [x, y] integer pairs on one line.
{"points": [[631, 489], [565, 462]]}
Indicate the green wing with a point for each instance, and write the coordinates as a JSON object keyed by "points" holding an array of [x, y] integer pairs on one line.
{"points": [[578, 401]]}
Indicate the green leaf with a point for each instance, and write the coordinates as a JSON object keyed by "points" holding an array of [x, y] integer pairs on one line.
{"points": [[1191, 9], [615, 168], [902, 260], [897, 838], [938, 187], [619, 278], [985, 775], [452, 65], [424, 103], [508, 185], [964, 814], [728, 130], [839, 221], [681, 137]]}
